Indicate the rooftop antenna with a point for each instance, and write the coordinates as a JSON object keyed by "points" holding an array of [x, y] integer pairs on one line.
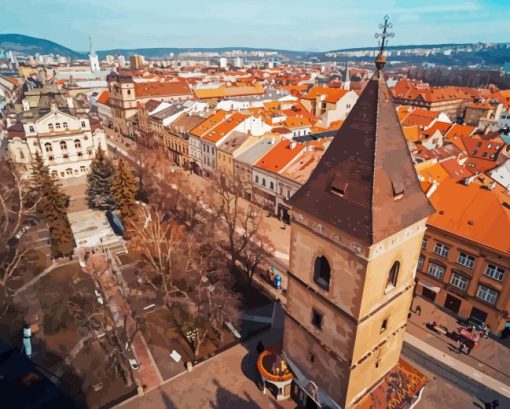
{"points": [[382, 38]]}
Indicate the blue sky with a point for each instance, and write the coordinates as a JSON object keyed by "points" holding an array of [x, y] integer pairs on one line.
{"points": [[290, 24]]}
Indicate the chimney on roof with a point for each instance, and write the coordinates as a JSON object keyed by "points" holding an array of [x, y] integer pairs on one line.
{"points": [[293, 145], [470, 179], [491, 186], [26, 106]]}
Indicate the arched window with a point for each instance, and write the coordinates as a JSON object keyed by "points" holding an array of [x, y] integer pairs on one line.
{"points": [[57, 125], [69, 171], [54, 174], [77, 143], [322, 272], [64, 124], [63, 145], [48, 147], [393, 275], [50, 127]]}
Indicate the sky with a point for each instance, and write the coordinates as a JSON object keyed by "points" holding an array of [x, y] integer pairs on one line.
{"points": [[314, 25]]}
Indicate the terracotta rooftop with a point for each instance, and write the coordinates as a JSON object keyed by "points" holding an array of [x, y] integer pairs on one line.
{"points": [[104, 97], [158, 89], [279, 156], [330, 95], [366, 184], [228, 124], [473, 212], [209, 123], [301, 169]]}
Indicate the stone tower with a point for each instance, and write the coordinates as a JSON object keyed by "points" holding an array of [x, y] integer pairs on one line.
{"points": [[93, 58], [357, 229]]}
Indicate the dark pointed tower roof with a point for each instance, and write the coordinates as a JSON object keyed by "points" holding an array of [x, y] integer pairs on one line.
{"points": [[366, 184]]}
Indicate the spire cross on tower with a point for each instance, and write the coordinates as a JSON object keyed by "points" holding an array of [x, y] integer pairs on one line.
{"points": [[383, 37]]}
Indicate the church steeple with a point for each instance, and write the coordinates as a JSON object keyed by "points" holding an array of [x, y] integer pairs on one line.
{"points": [[93, 58], [346, 85], [366, 183]]}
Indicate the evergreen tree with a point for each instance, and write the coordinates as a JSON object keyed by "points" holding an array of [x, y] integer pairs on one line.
{"points": [[124, 190], [53, 205], [99, 182]]}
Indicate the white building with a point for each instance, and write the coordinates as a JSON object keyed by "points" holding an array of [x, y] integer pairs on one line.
{"points": [[61, 132], [93, 58]]}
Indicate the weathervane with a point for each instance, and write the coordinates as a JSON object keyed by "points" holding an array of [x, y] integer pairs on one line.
{"points": [[383, 37]]}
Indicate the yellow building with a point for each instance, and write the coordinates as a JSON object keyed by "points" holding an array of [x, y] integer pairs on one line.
{"points": [[358, 224]]}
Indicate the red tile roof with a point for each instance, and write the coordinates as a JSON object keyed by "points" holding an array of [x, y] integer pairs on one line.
{"points": [[104, 97], [158, 89], [279, 156], [331, 95]]}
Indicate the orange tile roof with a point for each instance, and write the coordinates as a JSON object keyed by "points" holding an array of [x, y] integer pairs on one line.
{"points": [[209, 123], [331, 95], [455, 169], [433, 173], [442, 127], [229, 91], [421, 117], [297, 122], [168, 88], [482, 148], [473, 212], [104, 97], [411, 133], [480, 165], [456, 132], [225, 127], [301, 169], [279, 156]]}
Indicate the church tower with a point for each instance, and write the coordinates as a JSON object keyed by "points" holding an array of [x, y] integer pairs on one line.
{"points": [[358, 225], [346, 84], [93, 58]]}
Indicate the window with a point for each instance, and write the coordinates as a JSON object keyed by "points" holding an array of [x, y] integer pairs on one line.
{"points": [[57, 125], [436, 270], [459, 281], [50, 127], [51, 158], [80, 154], [495, 272], [63, 145], [69, 171], [54, 174], [424, 243], [263, 182], [393, 275], [421, 260], [82, 169], [83, 124], [31, 128], [271, 185], [311, 357], [322, 272], [384, 325], [21, 154], [86, 138], [77, 143], [89, 152], [466, 260], [487, 294], [64, 124], [441, 250], [66, 156], [48, 147], [316, 319], [256, 178]]}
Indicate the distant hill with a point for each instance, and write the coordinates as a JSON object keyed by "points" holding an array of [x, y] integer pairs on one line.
{"points": [[460, 55], [32, 45]]}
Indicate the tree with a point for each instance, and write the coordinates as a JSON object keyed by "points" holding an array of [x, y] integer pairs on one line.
{"points": [[124, 189], [53, 205], [17, 207], [187, 268], [241, 224], [99, 182]]}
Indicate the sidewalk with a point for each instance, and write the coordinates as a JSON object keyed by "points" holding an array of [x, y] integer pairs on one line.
{"points": [[491, 357], [461, 370]]}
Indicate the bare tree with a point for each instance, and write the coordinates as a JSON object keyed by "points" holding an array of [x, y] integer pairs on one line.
{"points": [[17, 206], [251, 257], [241, 223], [186, 267]]}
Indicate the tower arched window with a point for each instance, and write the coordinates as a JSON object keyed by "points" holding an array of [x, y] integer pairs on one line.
{"points": [[63, 145], [77, 143], [322, 272], [48, 147], [393, 275]]}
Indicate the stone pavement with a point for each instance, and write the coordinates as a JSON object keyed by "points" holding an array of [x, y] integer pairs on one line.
{"points": [[491, 357]]}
